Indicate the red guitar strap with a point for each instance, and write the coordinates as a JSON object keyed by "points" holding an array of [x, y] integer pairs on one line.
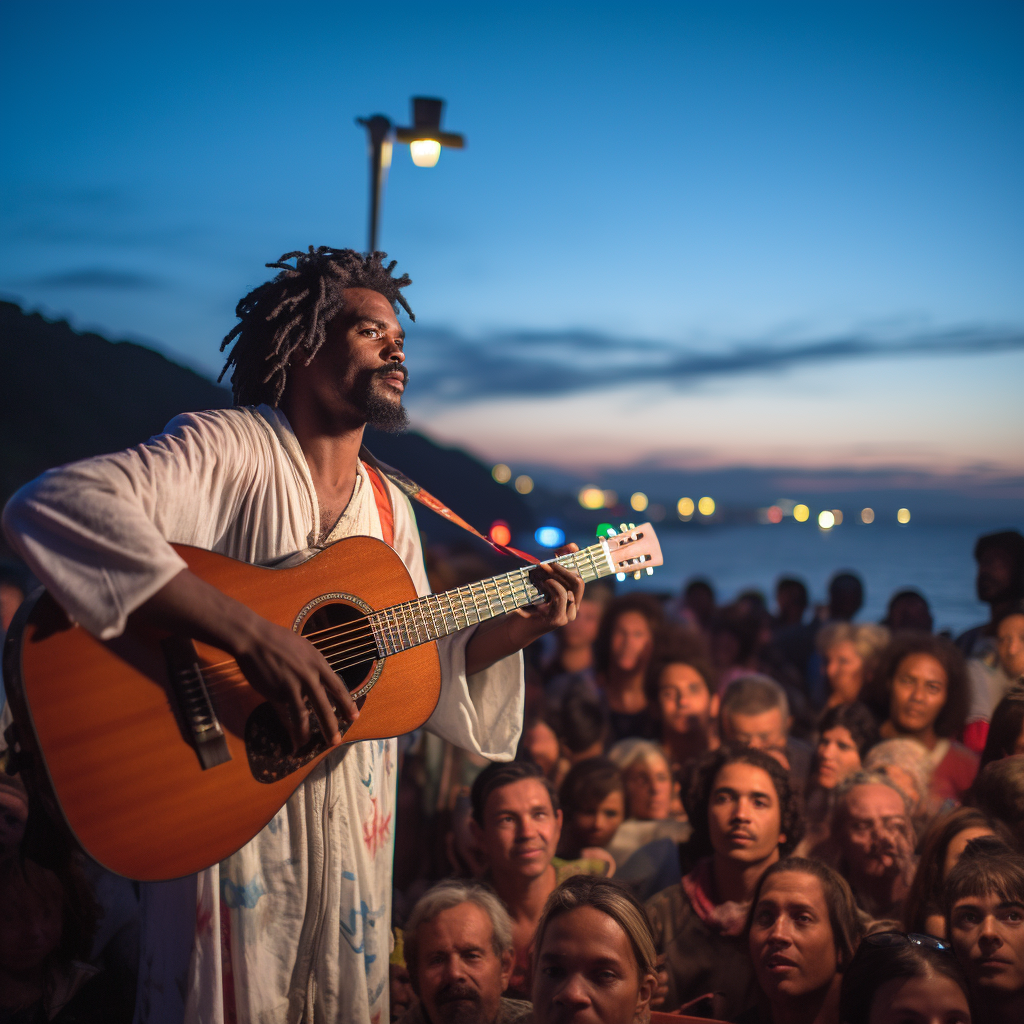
{"points": [[413, 490], [384, 509]]}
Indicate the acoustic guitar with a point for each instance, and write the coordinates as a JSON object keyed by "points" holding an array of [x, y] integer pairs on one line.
{"points": [[160, 756]]}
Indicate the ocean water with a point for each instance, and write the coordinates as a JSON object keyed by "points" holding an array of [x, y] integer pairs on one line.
{"points": [[936, 560]]}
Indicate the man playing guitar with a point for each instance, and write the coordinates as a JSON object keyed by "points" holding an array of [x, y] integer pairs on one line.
{"points": [[295, 926]]}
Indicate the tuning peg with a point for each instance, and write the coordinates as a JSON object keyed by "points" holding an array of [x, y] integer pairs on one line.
{"points": [[650, 572]]}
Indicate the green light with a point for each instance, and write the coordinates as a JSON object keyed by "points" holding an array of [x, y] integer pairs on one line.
{"points": [[606, 530]]}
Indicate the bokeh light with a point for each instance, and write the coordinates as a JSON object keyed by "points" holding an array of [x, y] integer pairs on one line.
{"points": [[903, 516], [591, 497], [838, 516], [611, 499], [706, 506], [499, 532], [801, 513], [425, 152], [826, 520], [867, 515], [524, 484], [685, 507], [774, 514], [550, 537], [638, 501], [501, 473]]}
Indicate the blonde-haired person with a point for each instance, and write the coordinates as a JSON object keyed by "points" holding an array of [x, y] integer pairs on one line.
{"points": [[593, 956], [850, 656], [905, 761]]}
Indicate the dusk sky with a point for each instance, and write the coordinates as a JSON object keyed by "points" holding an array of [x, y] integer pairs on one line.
{"points": [[698, 234]]}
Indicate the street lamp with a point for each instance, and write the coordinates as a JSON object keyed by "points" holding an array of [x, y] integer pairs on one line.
{"points": [[424, 138]]}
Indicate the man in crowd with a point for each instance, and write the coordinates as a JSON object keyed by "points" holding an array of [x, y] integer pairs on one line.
{"points": [[1000, 583], [744, 814], [517, 824], [458, 948], [872, 829], [282, 929], [755, 713], [985, 915]]}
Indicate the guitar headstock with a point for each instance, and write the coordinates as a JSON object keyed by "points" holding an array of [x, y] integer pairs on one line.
{"points": [[633, 549]]}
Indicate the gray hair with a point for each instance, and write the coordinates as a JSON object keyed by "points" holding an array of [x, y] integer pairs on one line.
{"points": [[753, 694], [446, 895], [868, 639], [866, 778], [627, 752], [901, 753]]}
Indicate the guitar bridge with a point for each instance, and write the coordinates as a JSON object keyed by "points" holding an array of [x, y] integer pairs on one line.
{"points": [[189, 686]]}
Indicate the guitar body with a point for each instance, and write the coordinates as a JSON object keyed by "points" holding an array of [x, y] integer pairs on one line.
{"points": [[107, 728]]}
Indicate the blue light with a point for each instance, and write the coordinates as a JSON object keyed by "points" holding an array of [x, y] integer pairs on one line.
{"points": [[550, 537]]}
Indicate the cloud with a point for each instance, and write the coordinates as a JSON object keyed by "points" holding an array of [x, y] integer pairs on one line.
{"points": [[97, 277], [450, 367]]}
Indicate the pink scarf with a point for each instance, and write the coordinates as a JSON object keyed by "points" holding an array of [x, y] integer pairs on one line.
{"points": [[729, 917]]}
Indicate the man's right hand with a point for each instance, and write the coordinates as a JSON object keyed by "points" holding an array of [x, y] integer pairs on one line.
{"points": [[279, 664]]}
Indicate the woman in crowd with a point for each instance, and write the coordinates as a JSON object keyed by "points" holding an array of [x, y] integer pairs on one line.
{"points": [[903, 979], [1006, 730], [593, 800], [593, 956], [845, 734], [647, 777], [572, 666], [802, 932], [850, 655], [941, 848], [906, 762], [622, 653], [924, 681]]}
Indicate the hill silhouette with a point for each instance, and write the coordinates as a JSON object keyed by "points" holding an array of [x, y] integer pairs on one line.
{"points": [[66, 395]]}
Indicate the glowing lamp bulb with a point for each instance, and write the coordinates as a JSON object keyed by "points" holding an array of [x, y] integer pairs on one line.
{"points": [[425, 152]]}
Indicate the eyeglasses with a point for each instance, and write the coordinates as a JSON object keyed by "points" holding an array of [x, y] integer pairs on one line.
{"points": [[908, 938]]}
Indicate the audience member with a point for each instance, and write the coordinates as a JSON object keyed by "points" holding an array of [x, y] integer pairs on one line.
{"points": [[458, 948], [924, 680], [1000, 583], [803, 930], [13, 813], [985, 909], [992, 675], [401, 994], [622, 652], [593, 800], [745, 814], [755, 713], [941, 848], [873, 837], [845, 596], [896, 978], [735, 634], [595, 958], [999, 792], [517, 825], [906, 762], [539, 742], [572, 665], [850, 655], [1006, 732], [697, 606], [791, 600], [582, 728], [908, 609]]}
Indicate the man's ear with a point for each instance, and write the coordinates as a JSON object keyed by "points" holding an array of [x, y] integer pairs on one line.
{"points": [[508, 961], [643, 1000]]}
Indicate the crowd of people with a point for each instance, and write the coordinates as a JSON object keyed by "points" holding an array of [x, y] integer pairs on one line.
{"points": [[729, 812]]}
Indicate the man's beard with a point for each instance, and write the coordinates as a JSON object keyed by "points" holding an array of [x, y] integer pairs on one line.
{"points": [[381, 412], [459, 1004]]}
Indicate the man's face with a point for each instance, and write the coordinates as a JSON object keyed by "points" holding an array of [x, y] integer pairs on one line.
{"points": [[649, 788], [995, 574], [918, 694], [873, 831], [520, 830], [987, 933], [357, 376], [587, 973], [764, 731], [687, 705], [459, 976], [1010, 636], [791, 941], [744, 818], [402, 995]]}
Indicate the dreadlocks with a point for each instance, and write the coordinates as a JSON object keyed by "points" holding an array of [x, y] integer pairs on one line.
{"points": [[292, 312]]}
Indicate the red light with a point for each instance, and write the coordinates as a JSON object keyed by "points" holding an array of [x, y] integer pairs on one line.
{"points": [[775, 514], [500, 533]]}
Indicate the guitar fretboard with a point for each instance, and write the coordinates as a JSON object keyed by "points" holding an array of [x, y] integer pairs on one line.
{"points": [[429, 618]]}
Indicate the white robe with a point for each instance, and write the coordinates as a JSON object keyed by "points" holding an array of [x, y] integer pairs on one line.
{"points": [[309, 899]]}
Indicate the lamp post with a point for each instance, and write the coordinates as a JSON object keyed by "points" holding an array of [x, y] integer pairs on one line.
{"points": [[425, 140]]}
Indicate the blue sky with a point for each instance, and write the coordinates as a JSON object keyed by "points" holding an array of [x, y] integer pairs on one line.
{"points": [[694, 233]]}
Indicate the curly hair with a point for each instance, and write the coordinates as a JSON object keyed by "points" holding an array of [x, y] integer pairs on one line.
{"points": [[698, 797], [292, 312]]}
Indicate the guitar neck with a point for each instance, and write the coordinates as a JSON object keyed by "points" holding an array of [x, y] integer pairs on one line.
{"points": [[437, 615]]}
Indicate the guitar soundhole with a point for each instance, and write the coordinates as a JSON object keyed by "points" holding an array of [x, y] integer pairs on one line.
{"points": [[343, 635]]}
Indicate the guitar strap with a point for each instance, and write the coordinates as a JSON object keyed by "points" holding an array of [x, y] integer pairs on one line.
{"points": [[412, 490]]}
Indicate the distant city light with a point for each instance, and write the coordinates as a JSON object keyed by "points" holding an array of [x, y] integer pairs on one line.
{"points": [[524, 484], [499, 532], [867, 515], [826, 520], [685, 507], [501, 473], [774, 514], [706, 506], [787, 505], [591, 497], [638, 501], [903, 516], [611, 499], [801, 513], [838, 515], [550, 537]]}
